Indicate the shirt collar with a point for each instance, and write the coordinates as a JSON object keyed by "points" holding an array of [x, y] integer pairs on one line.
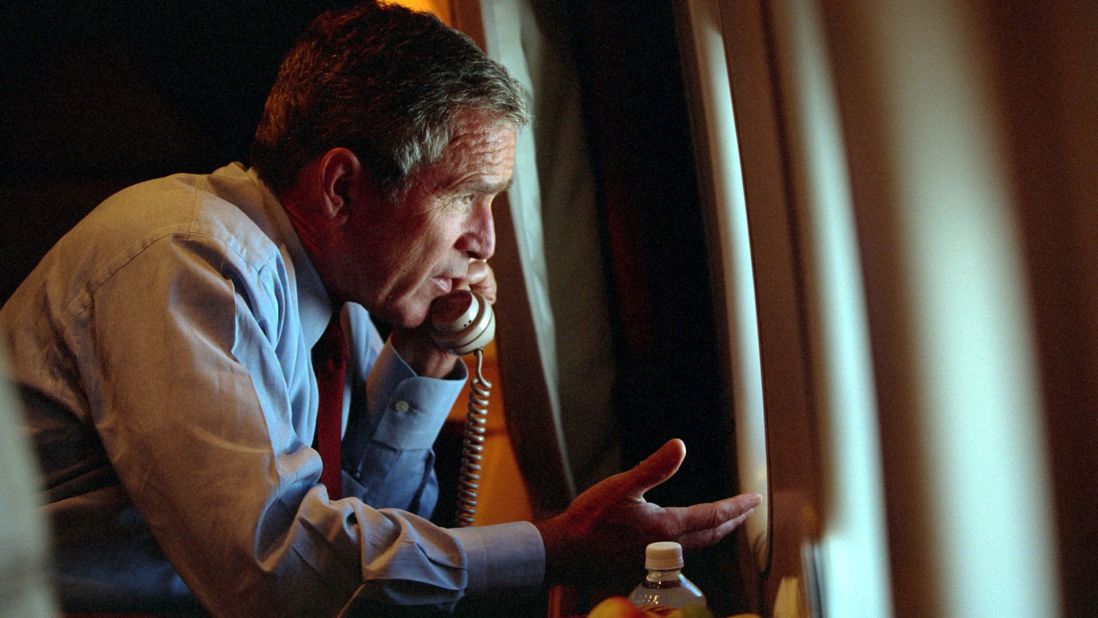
{"points": [[314, 306]]}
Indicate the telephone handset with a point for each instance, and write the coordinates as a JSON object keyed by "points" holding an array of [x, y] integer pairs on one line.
{"points": [[463, 322]]}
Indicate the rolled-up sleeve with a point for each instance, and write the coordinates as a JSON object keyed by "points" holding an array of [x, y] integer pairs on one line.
{"points": [[388, 459]]}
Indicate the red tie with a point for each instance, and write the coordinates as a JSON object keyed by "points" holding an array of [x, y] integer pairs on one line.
{"points": [[330, 365]]}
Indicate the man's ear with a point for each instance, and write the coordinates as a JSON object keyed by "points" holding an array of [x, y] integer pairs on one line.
{"points": [[341, 176]]}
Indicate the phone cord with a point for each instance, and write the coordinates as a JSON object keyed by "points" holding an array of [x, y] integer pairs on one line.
{"points": [[472, 450]]}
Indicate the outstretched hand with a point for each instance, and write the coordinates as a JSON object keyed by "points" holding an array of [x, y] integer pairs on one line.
{"points": [[611, 523]]}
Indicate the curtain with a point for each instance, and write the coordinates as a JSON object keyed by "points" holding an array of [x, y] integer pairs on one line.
{"points": [[554, 344]]}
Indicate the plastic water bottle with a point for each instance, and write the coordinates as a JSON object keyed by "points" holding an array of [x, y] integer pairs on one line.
{"points": [[664, 587]]}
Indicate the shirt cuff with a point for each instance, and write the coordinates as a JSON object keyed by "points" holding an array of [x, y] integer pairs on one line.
{"points": [[408, 410], [503, 556]]}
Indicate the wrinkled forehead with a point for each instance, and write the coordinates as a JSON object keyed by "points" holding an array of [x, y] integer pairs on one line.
{"points": [[480, 155]]}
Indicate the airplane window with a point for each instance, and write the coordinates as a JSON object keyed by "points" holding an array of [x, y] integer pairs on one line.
{"points": [[733, 247], [798, 351]]}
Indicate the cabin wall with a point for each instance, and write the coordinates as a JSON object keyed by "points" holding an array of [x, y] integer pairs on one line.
{"points": [[1047, 75], [970, 128]]}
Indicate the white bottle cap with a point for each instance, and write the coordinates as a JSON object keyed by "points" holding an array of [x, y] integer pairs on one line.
{"points": [[663, 556]]}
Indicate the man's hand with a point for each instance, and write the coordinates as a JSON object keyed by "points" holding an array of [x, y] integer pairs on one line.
{"points": [[415, 345], [481, 279], [611, 523]]}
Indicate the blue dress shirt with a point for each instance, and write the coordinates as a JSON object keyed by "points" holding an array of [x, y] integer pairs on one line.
{"points": [[163, 349]]}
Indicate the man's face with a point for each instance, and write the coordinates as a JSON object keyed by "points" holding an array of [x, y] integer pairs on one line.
{"points": [[402, 256]]}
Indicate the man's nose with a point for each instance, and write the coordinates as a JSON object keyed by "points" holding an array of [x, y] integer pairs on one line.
{"points": [[479, 241]]}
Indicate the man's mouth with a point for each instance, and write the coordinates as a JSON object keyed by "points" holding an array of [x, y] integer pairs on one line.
{"points": [[444, 284]]}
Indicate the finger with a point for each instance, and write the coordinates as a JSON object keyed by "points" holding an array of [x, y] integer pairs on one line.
{"points": [[714, 514], [657, 468], [709, 536], [478, 270], [481, 278]]}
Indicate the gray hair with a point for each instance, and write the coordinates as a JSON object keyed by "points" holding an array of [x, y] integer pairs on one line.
{"points": [[388, 83]]}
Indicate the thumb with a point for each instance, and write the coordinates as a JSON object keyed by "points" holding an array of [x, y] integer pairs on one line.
{"points": [[657, 468]]}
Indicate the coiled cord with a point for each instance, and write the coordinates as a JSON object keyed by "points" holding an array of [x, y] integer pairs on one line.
{"points": [[472, 449]]}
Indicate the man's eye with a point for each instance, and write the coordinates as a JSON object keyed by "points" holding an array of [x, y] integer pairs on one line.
{"points": [[467, 199]]}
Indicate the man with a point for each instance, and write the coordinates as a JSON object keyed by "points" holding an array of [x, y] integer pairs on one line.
{"points": [[164, 351]]}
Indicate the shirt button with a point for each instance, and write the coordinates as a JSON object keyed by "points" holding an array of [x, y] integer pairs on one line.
{"points": [[402, 406]]}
